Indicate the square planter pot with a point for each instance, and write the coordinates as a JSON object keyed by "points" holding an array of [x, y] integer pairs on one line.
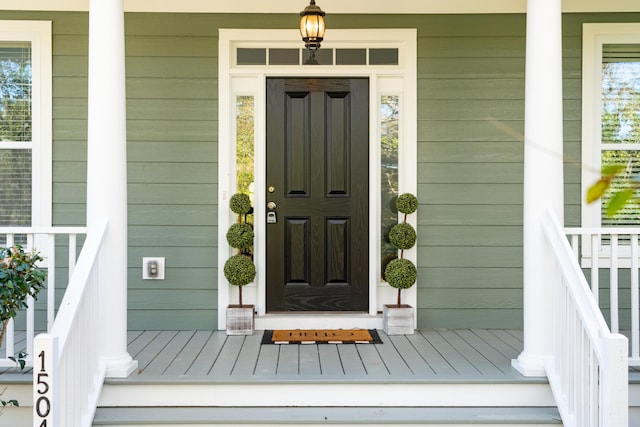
{"points": [[240, 320], [397, 320]]}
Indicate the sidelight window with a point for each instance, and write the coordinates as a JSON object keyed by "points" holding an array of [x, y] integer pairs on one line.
{"points": [[389, 125]]}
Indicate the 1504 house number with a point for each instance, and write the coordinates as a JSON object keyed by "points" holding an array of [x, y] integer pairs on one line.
{"points": [[43, 402]]}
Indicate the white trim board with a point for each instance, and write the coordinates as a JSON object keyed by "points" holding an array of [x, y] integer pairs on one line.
{"points": [[594, 37], [236, 81], [330, 6], [38, 34]]}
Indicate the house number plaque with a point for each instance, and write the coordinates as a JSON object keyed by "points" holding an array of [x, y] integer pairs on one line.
{"points": [[42, 404]]}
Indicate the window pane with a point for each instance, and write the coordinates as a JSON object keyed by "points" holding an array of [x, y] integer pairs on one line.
{"points": [[621, 102], [251, 56], [351, 56], [323, 56], [244, 143], [15, 191], [389, 173], [284, 56], [15, 92], [630, 215], [383, 56]]}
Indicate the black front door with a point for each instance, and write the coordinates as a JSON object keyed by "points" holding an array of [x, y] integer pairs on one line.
{"points": [[318, 190]]}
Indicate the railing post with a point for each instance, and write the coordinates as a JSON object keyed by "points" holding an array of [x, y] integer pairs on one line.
{"points": [[614, 392], [51, 281], [46, 386]]}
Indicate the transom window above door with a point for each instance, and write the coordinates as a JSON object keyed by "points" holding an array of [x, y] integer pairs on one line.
{"points": [[324, 56]]}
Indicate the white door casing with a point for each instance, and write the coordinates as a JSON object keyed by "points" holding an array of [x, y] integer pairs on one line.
{"points": [[249, 80]]}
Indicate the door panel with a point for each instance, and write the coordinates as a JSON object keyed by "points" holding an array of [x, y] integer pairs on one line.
{"points": [[317, 167]]}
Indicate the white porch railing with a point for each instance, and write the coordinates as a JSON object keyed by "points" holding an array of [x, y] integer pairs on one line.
{"points": [[42, 239], [612, 253], [68, 373], [588, 371]]}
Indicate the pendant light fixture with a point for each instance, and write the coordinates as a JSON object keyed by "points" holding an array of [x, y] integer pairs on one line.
{"points": [[312, 29]]}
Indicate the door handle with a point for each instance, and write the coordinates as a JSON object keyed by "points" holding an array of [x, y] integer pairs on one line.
{"points": [[272, 218]]}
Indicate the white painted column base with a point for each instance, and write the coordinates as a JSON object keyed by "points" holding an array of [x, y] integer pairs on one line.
{"points": [[120, 367], [530, 365]]}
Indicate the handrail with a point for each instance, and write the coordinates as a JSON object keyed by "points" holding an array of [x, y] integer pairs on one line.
{"points": [[588, 371], [43, 240], [68, 373]]}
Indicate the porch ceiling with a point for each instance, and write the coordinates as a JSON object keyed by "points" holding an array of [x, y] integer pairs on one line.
{"points": [[331, 6]]}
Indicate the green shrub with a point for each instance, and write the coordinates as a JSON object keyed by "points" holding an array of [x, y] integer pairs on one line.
{"points": [[401, 273], [240, 203], [240, 236], [402, 236], [239, 270], [407, 203], [19, 278]]}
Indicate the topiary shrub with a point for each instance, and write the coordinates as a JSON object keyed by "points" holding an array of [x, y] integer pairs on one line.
{"points": [[407, 203], [401, 273], [402, 236], [240, 204], [240, 269], [240, 236]]}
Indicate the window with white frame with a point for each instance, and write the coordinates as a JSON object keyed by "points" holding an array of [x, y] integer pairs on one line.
{"points": [[25, 123], [611, 115]]}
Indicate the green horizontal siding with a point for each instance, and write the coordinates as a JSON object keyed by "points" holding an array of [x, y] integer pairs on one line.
{"points": [[470, 155]]}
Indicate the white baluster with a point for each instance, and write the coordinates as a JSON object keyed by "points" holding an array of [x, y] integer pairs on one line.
{"points": [[635, 303], [613, 285], [595, 268]]}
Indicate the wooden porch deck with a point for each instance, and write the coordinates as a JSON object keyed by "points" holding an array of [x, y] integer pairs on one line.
{"points": [[478, 354], [461, 354]]}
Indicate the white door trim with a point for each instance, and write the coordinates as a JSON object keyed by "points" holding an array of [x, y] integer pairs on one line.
{"points": [[250, 81]]}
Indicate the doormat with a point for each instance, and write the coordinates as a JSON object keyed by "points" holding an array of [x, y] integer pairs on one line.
{"points": [[321, 336]]}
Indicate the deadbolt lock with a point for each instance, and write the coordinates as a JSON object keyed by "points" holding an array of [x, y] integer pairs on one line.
{"points": [[272, 189]]}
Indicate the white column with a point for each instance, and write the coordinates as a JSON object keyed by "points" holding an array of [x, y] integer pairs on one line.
{"points": [[107, 176], [543, 175]]}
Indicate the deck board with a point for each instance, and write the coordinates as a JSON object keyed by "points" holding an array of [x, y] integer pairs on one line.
{"points": [[489, 353], [438, 364], [351, 361], [247, 359], [371, 360], [169, 353], [288, 360], [267, 364], [226, 360], [309, 360], [414, 360], [457, 361], [330, 363], [393, 360], [204, 360], [185, 358], [471, 354], [153, 349]]}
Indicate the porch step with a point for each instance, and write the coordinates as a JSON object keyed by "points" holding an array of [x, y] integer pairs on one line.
{"points": [[363, 416], [306, 402]]}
